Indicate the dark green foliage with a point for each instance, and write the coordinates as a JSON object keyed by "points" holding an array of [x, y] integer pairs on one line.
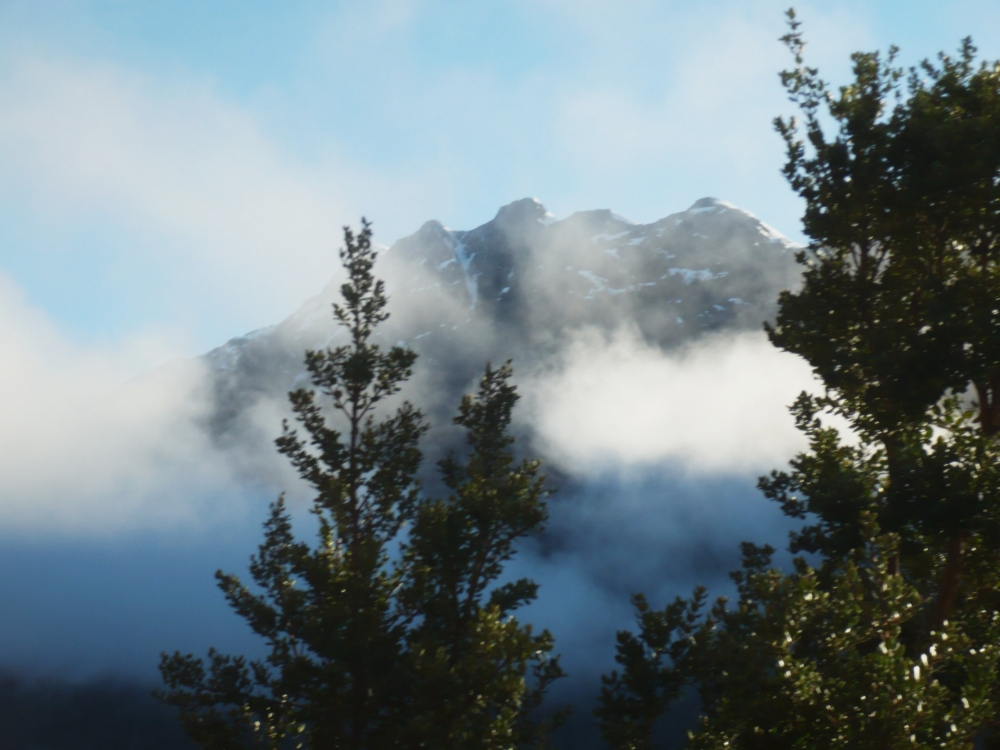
{"points": [[467, 651], [943, 484], [891, 638], [903, 209], [651, 678], [825, 658], [366, 648], [899, 306], [833, 483]]}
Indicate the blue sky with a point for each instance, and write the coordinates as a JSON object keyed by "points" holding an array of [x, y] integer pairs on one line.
{"points": [[179, 170]]}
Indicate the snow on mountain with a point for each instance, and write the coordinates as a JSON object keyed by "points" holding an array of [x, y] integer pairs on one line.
{"points": [[528, 287], [519, 286]]}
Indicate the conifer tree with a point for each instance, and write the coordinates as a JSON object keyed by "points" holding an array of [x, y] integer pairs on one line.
{"points": [[387, 631], [890, 639], [467, 652]]}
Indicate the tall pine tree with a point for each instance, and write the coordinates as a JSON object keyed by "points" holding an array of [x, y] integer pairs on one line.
{"points": [[389, 630], [891, 638]]}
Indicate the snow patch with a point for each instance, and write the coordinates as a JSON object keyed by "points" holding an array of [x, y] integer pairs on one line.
{"points": [[773, 235], [609, 237], [601, 285], [464, 261], [690, 275]]}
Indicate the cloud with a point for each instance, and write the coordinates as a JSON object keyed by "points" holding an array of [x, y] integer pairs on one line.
{"points": [[655, 456], [194, 190], [716, 406], [82, 452], [681, 98], [230, 192], [176, 168]]}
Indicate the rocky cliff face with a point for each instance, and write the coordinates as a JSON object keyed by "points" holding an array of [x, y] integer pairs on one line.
{"points": [[520, 286]]}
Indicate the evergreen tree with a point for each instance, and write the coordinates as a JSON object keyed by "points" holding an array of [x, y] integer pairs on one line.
{"points": [[819, 658], [386, 632], [891, 639], [469, 656]]}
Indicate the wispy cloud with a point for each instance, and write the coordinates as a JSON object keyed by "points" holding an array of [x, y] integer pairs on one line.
{"points": [[717, 406], [585, 105], [85, 450], [175, 165]]}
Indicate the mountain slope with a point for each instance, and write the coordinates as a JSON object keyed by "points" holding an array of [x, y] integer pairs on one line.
{"points": [[526, 287], [521, 286]]}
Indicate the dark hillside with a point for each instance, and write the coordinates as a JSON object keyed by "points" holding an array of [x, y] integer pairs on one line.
{"points": [[104, 715]]}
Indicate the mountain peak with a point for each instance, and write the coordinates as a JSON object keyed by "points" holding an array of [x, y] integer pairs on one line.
{"points": [[522, 211], [709, 204], [432, 229], [521, 285]]}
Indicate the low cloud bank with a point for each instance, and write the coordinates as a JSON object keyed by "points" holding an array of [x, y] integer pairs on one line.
{"points": [[719, 405], [658, 453], [85, 448]]}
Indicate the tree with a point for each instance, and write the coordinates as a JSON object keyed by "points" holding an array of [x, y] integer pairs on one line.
{"points": [[388, 631], [467, 652], [891, 638], [819, 658]]}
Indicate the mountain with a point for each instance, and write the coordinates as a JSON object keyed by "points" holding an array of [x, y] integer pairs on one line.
{"points": [[520, 287], [525, 286]]}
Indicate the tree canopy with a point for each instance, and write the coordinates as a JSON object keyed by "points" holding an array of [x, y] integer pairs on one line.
{"points": [[389, 631], [887, 635]]}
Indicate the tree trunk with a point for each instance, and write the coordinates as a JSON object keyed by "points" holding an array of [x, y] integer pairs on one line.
{"points": [[950, 581], [989, 405]]}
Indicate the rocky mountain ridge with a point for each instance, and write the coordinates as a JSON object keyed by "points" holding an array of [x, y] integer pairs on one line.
{"points": [[523, 284]]}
